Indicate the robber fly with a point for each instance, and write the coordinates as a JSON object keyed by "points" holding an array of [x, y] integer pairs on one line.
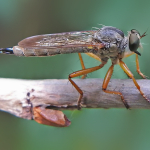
{"points": [[102, 44]]}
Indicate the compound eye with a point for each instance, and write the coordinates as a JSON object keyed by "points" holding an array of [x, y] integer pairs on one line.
{"points": [[134, 31], [134, 41]]}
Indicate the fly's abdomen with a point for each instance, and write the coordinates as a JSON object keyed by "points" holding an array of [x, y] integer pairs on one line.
{"points": [[19, 51]]}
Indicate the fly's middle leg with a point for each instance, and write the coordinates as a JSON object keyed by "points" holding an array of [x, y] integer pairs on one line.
{"points": [[105, 84]]}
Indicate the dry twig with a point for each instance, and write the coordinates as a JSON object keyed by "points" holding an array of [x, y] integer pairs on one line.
{"points": [[17, 96]]}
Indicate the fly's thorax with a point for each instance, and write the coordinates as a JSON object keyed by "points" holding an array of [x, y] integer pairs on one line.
{"points": [[114, 40], [109, 34]]}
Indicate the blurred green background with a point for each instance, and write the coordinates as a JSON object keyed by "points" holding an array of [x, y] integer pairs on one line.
{"points": [[91, 129]]}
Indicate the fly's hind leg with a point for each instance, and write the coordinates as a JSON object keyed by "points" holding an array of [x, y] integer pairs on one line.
{"points": [[100, 45], [79, 73], [105, 84], [128, 72], [82, 65]]}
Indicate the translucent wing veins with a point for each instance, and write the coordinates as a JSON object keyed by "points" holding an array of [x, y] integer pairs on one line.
{"points": [[67, 39]]}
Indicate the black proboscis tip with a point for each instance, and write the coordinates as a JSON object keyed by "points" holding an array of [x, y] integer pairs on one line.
{"points": [[137, 53]]}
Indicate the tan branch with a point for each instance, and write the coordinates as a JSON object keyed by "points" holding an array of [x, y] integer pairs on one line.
{"points": [[17, 96]]}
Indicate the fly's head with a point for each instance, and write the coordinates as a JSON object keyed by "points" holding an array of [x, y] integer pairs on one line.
{"points": [[134, 40]]}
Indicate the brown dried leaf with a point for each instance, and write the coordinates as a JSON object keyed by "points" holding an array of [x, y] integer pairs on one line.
{"points": [[50, 117]]}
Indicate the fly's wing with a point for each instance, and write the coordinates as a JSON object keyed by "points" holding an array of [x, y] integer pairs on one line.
{"points": [[60, 43], [58, 40]]}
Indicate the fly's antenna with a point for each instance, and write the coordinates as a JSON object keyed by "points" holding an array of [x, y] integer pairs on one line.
{"points": [[144, 34], [8, 50]]}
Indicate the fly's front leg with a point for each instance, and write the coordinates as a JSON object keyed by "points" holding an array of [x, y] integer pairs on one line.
{"points": [[137, 64], [128, 72], [138, 67], [105, 84], [79, 73], [82, 65]]}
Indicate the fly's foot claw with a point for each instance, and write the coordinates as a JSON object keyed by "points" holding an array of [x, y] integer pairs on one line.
{"points": [[126, 105], [79, 106]]}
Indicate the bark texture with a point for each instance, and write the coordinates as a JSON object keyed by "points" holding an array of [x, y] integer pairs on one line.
{"points": [[18, 97]]}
